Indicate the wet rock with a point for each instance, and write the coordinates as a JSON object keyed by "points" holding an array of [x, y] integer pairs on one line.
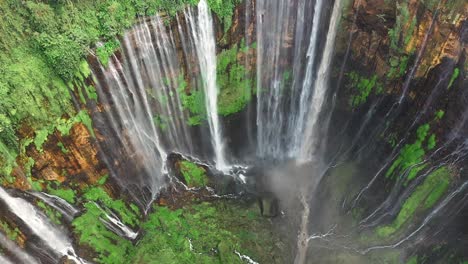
{"points": [[268, 204], [66, 260]]}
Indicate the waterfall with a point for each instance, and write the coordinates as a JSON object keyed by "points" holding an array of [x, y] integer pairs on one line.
{"points": [[113, 223], [273, 19], [288, 114], [288, 111], [17, 252], [67, 210], [312, 130], [143, 91], [205, 44], [297, 122], [133, 117], [52, 237]]}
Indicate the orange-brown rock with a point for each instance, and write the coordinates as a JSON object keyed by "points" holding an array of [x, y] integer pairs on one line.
{"points": [[77, 162], [370, 44]]}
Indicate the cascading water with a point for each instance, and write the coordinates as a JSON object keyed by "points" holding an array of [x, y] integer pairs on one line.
{"points": [[17, 252], [38, 223], [297, 124], [289, 110], [159, 96], [67, 210], [203, 39], [273, 19], [145, 88], [312, 126]]}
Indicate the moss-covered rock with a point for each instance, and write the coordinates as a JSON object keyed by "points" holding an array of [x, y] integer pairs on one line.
{"points": [[194, 175]]}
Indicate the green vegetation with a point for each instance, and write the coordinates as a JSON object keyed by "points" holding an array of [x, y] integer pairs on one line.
{"points": [[199, 233], [161, 121], [106, 50], [99, 195], [205, 233], [411, 156], [41, 137], [68, 195], [455, 74], [44, 47], [103, 179], [410, 159], [412, 260], [440, 114], [11, 233], [424, 197], [63, 126], [193, 101], [392, 140], [431, 142], [400, 38], [194, 175], [51, 213], [363, 87], [234, 83], [398, 66], [62, 148], [224, 9], [110, 248]]}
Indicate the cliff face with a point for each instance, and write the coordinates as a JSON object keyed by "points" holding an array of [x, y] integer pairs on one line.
{"points": [[73, 158], [401, 48], [407, 40], [405, 58], [401, 70]]}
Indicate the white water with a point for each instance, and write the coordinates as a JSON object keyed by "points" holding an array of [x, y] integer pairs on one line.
{"points": [[52, 237], [4, 260], [144, 94], [59, 204], [143, 88], [16, 251], [273, 19], [309, 145], [311, 133], [113, 223], [205, 44], [297, 124], [246, 258], [288, 114], [141, 141]]}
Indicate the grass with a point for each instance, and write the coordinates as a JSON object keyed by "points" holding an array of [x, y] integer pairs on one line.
{"points": [[440, 114], [110, 248], [194, 175], [205, 233], [423, 198], [410, 155], [126, 213], [412, 260], [197, 233]]}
